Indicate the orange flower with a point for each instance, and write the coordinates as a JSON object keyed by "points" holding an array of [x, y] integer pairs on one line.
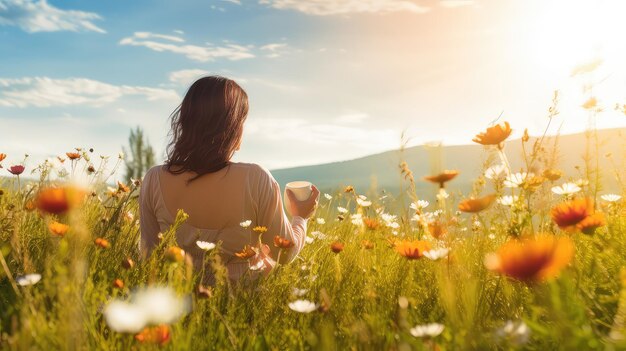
{"points": [[58, 228], [2, 157], [29, 205], [160, 334], [412, 250], [590, 103], [494, 135], [473, 205], [336, 247], [282, 242], [103, 243], [61, 159], [367, 245], [246, 253], [591, 223], [568, 214], [73, 155], [443, 177], [437, 229], [260, 229], [371, 223], [58, 200], [122, 188], [348, 189], [174, 254], [532, 259], [118, 284]]}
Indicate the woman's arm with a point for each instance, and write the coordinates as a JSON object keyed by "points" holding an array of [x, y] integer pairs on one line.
{"points": [[147, 219], [270, 214]]}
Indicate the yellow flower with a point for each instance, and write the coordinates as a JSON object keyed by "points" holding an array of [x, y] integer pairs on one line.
{"points": [[260, 229], [552, 174], [532, 259], [568, 214], [591, 103], [494, 135], [58, 228], [474, 205], [174, 254], [348, 189]]}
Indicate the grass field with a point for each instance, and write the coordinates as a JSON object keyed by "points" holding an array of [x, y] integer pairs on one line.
{"points": [[529, 263]]}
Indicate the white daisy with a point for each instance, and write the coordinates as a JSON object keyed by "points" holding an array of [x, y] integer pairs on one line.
{"points": [[514, 180], [517, 333], [28, 279], [419, 205], [435, 254], [309, 240], [611, 197], [299, 292], [124, 317], [566, 189], [205, 245], [161, 304], [328, 196], [362, 202], [427, 330], [494, 172], [342, 209], [245, 224], [303, 306], [320, 221], [507, 200]]}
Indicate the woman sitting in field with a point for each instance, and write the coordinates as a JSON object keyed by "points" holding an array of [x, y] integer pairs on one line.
{"points": [[217, 194]]}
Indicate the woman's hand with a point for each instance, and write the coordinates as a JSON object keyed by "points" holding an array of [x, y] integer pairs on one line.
{"points": [[306, 208]]}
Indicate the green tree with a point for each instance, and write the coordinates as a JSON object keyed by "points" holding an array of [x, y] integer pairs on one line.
{"points": [[141, 155]]}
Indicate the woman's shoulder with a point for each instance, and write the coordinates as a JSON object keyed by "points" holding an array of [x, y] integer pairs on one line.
{"points": [[255, 171]]}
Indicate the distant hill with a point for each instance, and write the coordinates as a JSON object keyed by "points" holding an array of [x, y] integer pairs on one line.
{"points": [[381, 170]]}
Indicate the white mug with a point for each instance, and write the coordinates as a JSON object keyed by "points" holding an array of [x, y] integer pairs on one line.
{"points": [[301, 189]]}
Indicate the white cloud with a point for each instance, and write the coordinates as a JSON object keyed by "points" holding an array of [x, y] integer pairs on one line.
{"points": [[148, 35], [274, 49], [48, 92], [40, 16], [186, 76], [338, 7], [198, 53], [352, 118], [456, 3], [237, 2]]}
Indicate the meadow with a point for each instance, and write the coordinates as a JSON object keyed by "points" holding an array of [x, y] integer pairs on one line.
{"points": [[531, 259]]}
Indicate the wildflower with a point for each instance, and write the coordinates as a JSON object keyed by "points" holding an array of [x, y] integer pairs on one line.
{"points": [[611, 197], [72, 155], [473, 205], [58, 200], [371, 223], [517, 333], [318, 235], [28, 279], [245, 224], [566, 189], [517, 179], [437, 229], [348, 189], [442, 178], [495, 171], [29, 205], [154, 335], [2, 157], [582, 182], [412, 250], [118, 284], [362, 202], [309, 239], [507, 200], [299, 292], [419, 205], [342, 209], [103, 243], [58, 228], [161, 305], [427, 330], [260, 229], [320, 221], [124, 317], [525, 137], [246, 253], [205, 245], [568, 214], [442, 194], [204, 292], [367, 245], [16, 169], [553, 174], [436, 254], [128, 263], [120, 155], [591, 223], [336, 247], [174, 254], [303, 306], [532, 259], [61, 159], [282, 242], [122, 188], [494, 135], [357, 219], [328, 196], [591, 103]]}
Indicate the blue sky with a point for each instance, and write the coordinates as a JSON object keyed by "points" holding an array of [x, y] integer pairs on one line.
{"points": [[328, 80]]}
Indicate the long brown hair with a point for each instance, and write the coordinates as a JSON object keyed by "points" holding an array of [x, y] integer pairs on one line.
{"points": [[207, 127]]}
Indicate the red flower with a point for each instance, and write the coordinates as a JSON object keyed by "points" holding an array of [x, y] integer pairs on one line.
{"points": [[155, 335], [17, 169]]}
